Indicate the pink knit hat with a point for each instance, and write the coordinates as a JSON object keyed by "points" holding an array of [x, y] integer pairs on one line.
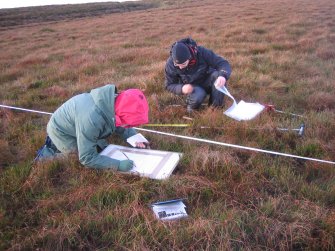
{"points": [[131, 108]]}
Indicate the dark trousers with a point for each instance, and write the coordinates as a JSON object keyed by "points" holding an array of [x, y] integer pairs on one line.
{"points": [[216, 98]]}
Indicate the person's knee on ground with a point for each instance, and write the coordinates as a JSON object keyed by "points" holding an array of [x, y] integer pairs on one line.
{"points": [[216, 98], [195, 99]]}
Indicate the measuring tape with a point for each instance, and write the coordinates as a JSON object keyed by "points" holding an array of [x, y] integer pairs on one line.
{"points": [[200, 140]]}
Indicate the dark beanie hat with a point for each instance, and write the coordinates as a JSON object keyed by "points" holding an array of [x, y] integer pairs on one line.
{"points": [[180, 53]]}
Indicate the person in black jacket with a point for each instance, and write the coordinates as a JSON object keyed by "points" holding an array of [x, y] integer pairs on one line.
{"points": [[192, 70]]}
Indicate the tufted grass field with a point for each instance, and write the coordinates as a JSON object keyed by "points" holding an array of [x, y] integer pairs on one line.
{"points": [[281, 52]]}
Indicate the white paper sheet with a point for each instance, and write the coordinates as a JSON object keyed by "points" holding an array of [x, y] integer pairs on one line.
{"points": [[148, 163], [136, 138], [242, 110]]}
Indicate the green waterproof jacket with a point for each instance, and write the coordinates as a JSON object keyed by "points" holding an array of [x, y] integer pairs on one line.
{"points": [[84, 122]]}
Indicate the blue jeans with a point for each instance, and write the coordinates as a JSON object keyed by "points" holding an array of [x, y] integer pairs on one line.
{"points": [[48, 150]]}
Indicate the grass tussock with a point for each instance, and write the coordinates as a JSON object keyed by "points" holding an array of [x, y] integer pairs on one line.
{"points": [[236, 199]]}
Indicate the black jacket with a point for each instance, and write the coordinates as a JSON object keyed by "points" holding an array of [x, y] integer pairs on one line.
{"points": [[205, 62]]}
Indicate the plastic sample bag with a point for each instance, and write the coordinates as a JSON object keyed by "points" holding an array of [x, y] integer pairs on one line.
{"points": [[242, 110]]}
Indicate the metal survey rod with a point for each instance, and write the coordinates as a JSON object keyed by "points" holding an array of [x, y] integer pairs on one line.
{"points": [[300, 130], [289, 113], [272, 108]]}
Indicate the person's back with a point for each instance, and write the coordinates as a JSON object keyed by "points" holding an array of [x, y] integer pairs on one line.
{"points": [[64, 119], [83, 123], [87, 112]]}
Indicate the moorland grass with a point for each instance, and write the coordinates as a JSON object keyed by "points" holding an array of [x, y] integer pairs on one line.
{"points": [[281, 53]]}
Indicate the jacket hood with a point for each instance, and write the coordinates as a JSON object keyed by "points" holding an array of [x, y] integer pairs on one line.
{"points": [[131, 108], [104, 98]]}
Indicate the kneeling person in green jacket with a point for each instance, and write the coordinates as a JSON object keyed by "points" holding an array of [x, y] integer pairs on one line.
{"points": [[83, 123]]}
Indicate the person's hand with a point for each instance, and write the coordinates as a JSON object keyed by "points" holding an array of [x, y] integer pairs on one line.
{"points": [[125, 165], [142, 145], [187, 89], [220, 82]]}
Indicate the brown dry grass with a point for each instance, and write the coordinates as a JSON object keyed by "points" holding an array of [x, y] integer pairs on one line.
{"points": [[281, 53]]}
